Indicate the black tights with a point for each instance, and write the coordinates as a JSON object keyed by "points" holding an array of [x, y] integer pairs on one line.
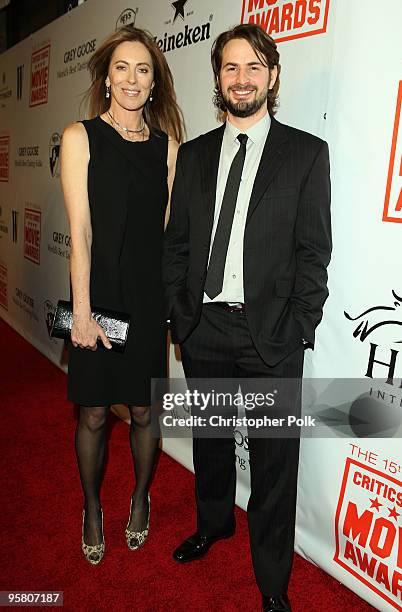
{"points": [[90, 445]]}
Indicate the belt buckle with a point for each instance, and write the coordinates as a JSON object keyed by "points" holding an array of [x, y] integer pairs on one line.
{"points": [[235, 307]]}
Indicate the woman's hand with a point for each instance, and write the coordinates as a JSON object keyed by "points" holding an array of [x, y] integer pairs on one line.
{"points": [[85, 332]]}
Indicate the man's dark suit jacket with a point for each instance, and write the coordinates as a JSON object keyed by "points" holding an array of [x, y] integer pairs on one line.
{"points": [[287, 239]]}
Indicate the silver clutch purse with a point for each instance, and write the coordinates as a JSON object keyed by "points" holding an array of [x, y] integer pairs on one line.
{"points": [[115, 324]]}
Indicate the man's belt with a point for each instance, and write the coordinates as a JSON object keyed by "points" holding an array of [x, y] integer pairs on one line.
{"points": [[238, 307]]}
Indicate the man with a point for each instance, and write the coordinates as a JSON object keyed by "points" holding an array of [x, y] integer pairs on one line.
{"points": [[246, 252]]}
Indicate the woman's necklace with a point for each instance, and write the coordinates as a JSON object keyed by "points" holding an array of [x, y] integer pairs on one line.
{"points": [[125, 129]]}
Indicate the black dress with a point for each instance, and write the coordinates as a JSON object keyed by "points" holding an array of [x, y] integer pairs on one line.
{"points": [[128, 194]]}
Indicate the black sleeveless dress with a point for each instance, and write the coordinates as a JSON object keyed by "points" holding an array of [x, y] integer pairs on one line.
{"points": [[128, 195]]}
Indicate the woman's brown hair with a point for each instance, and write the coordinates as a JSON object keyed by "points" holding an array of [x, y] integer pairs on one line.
{"points": [[265, 49], [163, 113]]}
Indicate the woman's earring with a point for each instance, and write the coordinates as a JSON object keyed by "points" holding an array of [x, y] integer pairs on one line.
{"points": [[107, 94], [151, 96]]}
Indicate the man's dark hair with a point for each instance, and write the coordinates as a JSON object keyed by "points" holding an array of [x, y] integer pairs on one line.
{"points": [[265, 49]]}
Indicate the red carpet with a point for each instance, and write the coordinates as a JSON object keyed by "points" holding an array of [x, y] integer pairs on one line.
{"points": [[41, 512]]}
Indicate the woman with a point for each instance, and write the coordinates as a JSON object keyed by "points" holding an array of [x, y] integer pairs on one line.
{"points": [[116, 171]]}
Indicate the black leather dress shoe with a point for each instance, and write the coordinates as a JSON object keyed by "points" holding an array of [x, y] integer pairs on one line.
{"points": [[196, 546], [279, 603]]}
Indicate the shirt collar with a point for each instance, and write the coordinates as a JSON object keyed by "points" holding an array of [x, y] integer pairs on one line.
{"points": [[257, 133]]}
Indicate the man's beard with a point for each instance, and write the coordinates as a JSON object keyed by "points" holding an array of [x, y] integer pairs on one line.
{"points": [[242, 108]]}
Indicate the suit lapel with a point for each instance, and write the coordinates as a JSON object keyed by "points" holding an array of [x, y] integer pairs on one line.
{"points": [[273, 156], [209, 162]]}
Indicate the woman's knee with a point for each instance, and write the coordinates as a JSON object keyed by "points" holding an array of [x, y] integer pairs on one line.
{"points": [[140, 415], [94, 418]]}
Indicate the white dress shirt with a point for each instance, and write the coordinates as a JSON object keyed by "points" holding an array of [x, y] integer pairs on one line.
{"points": [[233, 289]]}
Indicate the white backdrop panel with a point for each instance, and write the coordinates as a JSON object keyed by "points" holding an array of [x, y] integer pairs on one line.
{"points": [[340, 77]]}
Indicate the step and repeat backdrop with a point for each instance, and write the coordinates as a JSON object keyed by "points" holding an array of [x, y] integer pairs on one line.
{"points": [[342, 80]]}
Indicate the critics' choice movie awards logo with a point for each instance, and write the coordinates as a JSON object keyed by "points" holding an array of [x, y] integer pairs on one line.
{"points": [[4, 157], [32, 234], [3, 286], [76, 59], [284, 19], [189, 35], [368, 526], [393, 192], [39, 85], [127, 17], [54, 154]]}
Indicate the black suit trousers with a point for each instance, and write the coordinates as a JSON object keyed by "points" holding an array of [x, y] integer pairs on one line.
{"points": [[221, 347]]}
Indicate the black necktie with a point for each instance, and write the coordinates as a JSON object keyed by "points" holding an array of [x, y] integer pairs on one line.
{"points": [[216, 267]]}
